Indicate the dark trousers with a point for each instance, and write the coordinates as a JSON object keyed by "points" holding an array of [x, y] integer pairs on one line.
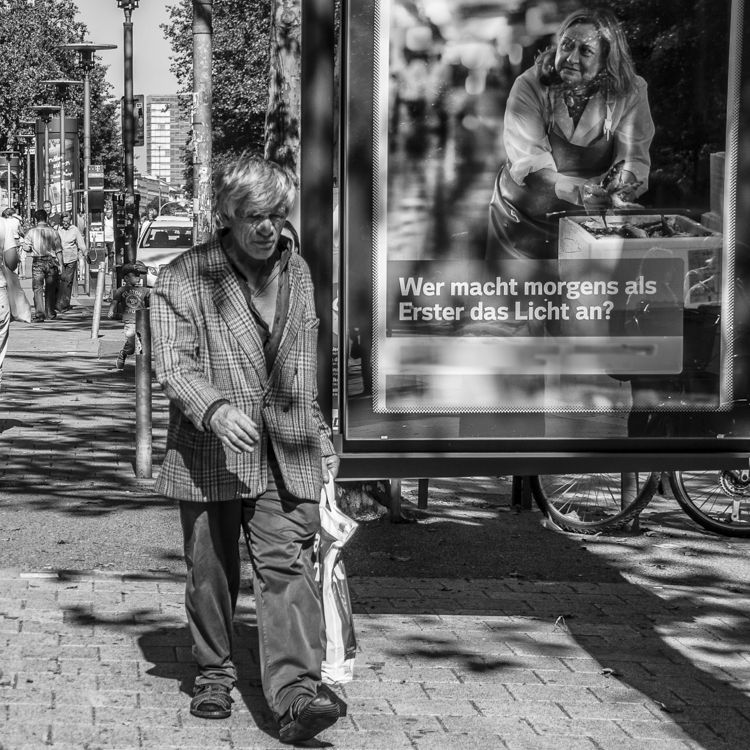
{"points": [[44, 279], [291, 632], [67, 277]]}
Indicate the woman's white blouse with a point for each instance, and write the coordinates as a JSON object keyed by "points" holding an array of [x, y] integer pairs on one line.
{"points": [[532, 109]]}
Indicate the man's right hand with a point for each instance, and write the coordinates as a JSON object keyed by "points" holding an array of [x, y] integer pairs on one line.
{"points": [[235, 429]]}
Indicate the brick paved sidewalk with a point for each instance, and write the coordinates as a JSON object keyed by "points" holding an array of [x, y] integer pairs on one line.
{"points": [[103, 661], [94, 660]]}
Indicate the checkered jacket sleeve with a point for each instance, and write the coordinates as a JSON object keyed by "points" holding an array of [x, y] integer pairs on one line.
{"points": [[176, 342]]}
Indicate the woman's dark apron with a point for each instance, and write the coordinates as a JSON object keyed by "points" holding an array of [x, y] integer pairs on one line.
{"points": [[520, 230], [519, 227]]}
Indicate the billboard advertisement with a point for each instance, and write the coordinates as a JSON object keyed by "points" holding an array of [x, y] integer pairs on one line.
{"points": [[537, 239]]}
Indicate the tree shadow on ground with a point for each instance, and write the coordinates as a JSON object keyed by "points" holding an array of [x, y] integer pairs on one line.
{"points": [[666, 658], [167, 646]]}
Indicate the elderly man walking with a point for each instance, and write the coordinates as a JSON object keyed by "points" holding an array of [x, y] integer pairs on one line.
{"points": [[73, 247], [46, 249], [235, 334]]}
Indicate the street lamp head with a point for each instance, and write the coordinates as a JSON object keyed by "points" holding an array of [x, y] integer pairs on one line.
{"points": [[86, 51], [127, 5], [62, 85], [45, 111]]}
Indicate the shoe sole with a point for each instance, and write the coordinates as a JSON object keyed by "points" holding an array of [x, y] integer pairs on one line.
{"points": [[311, 722], [210, 714]]}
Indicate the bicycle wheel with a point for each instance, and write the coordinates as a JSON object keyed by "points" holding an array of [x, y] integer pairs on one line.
{"points": [[717, 500], [589, 503]]}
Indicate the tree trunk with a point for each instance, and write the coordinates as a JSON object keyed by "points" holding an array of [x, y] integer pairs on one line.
{"points": [[284, 96], [202, 135]]}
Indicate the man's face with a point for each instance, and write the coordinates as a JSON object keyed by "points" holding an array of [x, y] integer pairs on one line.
{"points": [[257, 233], [65, 221], [108, 213], [47, 206]]}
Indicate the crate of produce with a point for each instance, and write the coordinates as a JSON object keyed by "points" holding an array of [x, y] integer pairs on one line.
{"points": [[588, 238]]}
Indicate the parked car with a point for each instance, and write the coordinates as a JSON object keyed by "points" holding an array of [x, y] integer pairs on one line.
{"points": [[161, 241]]}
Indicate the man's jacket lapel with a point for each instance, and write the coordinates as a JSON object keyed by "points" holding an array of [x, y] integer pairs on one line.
{"points": [[293, 318], [232, 306]]}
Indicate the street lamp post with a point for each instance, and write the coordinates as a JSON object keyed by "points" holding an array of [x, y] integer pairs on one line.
{"points": [[86, 52], [45, 112], [62, 87], [128, 133]]}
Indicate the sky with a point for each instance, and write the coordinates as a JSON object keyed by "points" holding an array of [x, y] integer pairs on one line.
{"points": [[151, 51]]}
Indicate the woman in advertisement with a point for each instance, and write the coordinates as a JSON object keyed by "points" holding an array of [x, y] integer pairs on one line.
{"points": [[577, 132]]}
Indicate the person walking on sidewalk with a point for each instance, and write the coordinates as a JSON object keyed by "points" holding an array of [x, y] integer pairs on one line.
{"points": [[234, 333], [9, 259], [45, 247], [132, 296], [52, 219], [74, 248]]}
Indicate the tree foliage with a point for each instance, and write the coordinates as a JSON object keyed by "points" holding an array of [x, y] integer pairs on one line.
{"points": [[682, 51], [239, 69], [30, 35]]}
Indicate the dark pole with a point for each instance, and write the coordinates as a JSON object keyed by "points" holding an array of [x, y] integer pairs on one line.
{"points": [[143, 436], [128, 136], [316, 177], [128, 129]]}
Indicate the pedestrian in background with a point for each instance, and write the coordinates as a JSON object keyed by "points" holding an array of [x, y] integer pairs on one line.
{"points": [[132, 296], [53, 219], [73, 248], [147, 221], [9, 259], [235, 341], [45, 247]]}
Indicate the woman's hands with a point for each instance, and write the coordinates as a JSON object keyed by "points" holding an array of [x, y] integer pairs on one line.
{"points": [[234, 428], [593, 196]]}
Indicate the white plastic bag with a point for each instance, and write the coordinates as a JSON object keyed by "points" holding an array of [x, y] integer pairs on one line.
{"points": [[336, 529], [20, 309]]}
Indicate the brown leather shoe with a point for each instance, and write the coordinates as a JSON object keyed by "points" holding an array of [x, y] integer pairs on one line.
{"points": [[310, 716]]}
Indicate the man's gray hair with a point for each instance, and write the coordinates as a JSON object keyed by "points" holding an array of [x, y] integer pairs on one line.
{"points": [[251, 183]]}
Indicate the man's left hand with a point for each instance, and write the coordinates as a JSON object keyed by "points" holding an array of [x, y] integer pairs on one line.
{"points": [[330, 464]]}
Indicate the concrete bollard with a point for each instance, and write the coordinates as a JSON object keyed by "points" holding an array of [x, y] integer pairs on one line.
{"points": [[143, 438], [98, 302]]}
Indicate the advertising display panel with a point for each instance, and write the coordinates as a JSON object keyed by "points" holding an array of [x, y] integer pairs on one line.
{"points": [[67, 162], [539, 219]]}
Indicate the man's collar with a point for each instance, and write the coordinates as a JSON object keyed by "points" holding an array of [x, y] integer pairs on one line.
{"points": [[281, 255]]}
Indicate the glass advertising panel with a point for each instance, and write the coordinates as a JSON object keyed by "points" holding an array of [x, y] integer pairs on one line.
{"points": [[68, 164], [539, 221]]}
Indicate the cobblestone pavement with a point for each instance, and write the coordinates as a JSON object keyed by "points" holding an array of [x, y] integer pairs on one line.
{"points": [[97, 659]]}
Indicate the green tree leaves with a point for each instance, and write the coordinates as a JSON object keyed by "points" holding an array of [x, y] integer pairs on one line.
{"points": [[30, 35], [240, 72]]}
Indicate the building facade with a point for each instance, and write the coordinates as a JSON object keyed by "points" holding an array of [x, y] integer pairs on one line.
{"points": [[167, 131]]}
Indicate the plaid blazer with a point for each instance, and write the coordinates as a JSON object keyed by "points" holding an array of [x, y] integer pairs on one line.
{"points": [[207, 348]]}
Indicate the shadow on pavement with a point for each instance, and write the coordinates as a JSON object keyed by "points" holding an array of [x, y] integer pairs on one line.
{"points": [[682, 652]]}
